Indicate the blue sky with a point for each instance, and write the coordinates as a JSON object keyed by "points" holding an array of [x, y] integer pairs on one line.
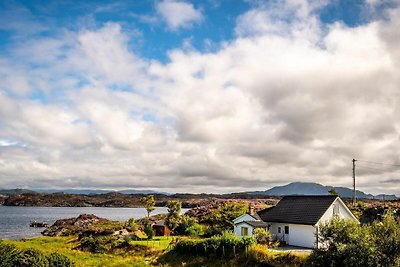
{"points": [[209, 96]]}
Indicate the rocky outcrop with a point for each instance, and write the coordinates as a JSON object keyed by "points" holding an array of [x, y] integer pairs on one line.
{"points": [[2, 199], [84, 223]]}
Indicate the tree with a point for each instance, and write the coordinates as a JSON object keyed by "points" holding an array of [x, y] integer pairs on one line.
{"points": [[174, 214], [347, 243], [148, 203], [333, 192], [131, 223]]}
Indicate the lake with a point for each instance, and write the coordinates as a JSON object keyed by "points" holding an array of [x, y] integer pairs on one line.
{"points": [[14, 221]]}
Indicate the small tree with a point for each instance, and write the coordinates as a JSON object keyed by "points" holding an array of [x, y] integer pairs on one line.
{"points": [[148, 230], [148, 203], [131, 223], [174, 214], [333, 192]]}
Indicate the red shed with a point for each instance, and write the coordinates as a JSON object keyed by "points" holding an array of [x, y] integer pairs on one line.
{"points": [[160, 229]]}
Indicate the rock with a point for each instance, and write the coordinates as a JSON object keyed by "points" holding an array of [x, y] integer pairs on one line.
{"points": [[70, 226]]}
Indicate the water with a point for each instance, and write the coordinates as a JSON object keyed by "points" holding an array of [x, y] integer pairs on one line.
{"points": [[14, 221]]}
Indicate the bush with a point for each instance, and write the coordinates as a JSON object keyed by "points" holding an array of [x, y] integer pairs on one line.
{"points": [[227, 243], [32, 258], [57, 260], [148, 230], [347, 243], [91, 244], [248, 241], [131, 223], [8, 255], [260, 255], [263, 236], [188, 226], [194, 230]]}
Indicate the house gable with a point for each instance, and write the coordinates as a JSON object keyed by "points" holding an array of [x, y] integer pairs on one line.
{"points": [[337, 208], [306, 210], [244, 217]]}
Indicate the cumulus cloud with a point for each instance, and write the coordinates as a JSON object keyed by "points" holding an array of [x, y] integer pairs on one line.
{"points": [[284, 101], [178, 14]]}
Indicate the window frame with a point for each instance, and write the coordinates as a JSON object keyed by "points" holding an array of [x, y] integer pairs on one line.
{"points": [[244, 231], [286, 231]]}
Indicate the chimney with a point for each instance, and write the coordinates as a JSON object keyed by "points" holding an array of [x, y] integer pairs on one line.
{"points": [[251, 209]]}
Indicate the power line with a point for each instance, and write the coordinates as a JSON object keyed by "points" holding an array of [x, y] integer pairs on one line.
{"points": [[377, 169], [372, 162]]}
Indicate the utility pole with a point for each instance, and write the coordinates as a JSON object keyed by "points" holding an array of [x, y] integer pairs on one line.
{"points": [[354, 182]]}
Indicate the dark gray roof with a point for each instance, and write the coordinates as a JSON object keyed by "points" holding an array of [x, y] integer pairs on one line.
{"points": [[255, 224], [255, 216], [298, 209]]}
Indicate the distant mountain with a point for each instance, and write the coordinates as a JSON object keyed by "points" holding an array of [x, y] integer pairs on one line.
{"points": [[299, 188], [95, 191], [18, 191]]}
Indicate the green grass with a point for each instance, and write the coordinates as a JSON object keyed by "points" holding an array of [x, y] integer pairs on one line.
{"points": [[155, 251], [66, 246], [158, 242]]}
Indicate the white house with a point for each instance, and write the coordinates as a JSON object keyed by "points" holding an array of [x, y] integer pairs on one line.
{"points": [[295, 219], [245, 224]]}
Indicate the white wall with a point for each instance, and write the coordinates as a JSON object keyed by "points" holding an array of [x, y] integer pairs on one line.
{"points": [[237, 229], [299, 235], [302, 235], [344, 212]]}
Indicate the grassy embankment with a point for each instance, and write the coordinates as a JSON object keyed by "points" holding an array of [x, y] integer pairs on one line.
{"points": [[156, 252], [67, 246]]}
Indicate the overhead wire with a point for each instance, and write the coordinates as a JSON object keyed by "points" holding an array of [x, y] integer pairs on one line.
{"points": [[372, 162]]}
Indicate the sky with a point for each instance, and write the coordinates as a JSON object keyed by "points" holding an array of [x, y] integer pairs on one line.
{"points": [[199, 96]]}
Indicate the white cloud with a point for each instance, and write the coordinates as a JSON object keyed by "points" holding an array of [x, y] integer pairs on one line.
{"points": [[272, 106], [178, 14]]}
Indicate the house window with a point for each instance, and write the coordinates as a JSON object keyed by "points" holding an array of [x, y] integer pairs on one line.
{"points": [[245, 231], [279, 230], [286, 230]]}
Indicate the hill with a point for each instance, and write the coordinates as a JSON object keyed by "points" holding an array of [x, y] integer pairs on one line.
{"points": [[300, 188], [18, 191]]}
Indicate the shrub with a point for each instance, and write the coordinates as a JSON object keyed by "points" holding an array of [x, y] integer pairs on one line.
{"points": [[91, 244], [57, 260], [131, 223], [148, 230], [32, 258], [227, 243], [248, 241], [260, 255], [229, 239], [188, 226], [262, 236], [194, 230], [347, 243], [8, 255]]}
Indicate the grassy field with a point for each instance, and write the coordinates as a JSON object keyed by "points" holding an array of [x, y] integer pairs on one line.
{"points": [[66, 246], [156, 252], [158, 242]]}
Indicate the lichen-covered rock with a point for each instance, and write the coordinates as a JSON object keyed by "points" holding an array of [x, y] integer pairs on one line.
{"points": [[83, 223]]}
